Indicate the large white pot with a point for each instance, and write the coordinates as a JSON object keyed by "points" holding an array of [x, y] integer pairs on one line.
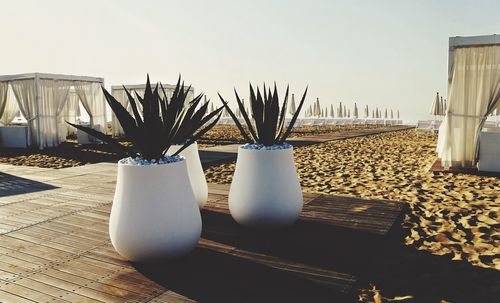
{"points": [[265, 191], [195, 171], [154, 214]]}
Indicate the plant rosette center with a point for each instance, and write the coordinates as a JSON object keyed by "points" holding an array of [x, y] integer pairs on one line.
{"points": [[139, 161], [256, 146]]}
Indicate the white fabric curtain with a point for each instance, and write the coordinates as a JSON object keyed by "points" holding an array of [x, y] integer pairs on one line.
{"points": [[4, 88], [70, 112], [474, 92], [120, 96], [53, 97], [24, 92], [8, 104], [11, 109], [92, 99]]}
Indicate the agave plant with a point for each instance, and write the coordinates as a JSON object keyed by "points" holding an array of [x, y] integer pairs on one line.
{"points": [[268, 127], [162, 123]]}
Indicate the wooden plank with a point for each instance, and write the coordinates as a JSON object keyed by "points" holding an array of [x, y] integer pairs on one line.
{"points": [[24, 292], [57, 246], [8, 297]]}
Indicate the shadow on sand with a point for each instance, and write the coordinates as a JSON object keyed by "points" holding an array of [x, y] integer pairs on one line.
{"points": [[221, 275]]}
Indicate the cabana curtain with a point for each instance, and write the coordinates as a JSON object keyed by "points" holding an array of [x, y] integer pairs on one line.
{"points": [[120, 96], [24, 91], [70, 112], [53, 97], [4, 88], [93, 101], [11, 109], [473, 94]]}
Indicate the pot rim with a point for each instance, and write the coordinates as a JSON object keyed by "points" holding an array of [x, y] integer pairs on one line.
{"points": [[195, 143], [264, 150], [152, 165]]}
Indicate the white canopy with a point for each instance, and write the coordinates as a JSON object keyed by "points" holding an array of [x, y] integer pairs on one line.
{"points": [[120, 95], [46, 100], [473, 94]]}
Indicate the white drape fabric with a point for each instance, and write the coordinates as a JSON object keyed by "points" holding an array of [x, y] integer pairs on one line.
{"points": [[120, 96], [92, 99], [24, 92], [11, 109], [474, 92], [70, 112], [4, 88], [53, 97]]}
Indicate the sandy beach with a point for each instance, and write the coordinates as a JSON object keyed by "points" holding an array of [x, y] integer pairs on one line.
{"points": [[450, 214], [70, 154]]}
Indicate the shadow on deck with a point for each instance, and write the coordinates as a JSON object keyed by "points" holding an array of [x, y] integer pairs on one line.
{"points": [[13, 185]]}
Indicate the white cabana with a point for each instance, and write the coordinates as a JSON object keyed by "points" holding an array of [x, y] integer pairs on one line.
{"points": [[46, 100], [473, 94], [120, 95]]}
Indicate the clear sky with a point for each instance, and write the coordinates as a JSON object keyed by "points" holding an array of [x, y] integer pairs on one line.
{"points": [[390, 54]]}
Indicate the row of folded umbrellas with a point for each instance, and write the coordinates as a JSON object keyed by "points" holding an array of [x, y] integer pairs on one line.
{"points": [[341, 111]]}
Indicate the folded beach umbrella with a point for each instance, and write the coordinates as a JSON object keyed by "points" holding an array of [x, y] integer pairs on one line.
{"points": [[442, 108], [293, 107], [355, 111], [386, 116], [392, 114], [345, 111], [436, 106], [339, 110], [348, 113], [367, 112], [398, 114], [211, 107], [318, 106], [332, 114], [373, 114]]}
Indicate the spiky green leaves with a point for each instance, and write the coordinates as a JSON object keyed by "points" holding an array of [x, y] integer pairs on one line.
{"points": [[162, 123], [268, 127]]}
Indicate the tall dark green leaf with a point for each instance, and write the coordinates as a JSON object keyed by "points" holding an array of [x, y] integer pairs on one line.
{"points": [[153, 132], [268, 119], [294, 118]]}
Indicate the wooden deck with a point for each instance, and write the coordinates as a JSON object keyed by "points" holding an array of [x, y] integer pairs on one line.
{"points": [[54, 246], [226, 153]]}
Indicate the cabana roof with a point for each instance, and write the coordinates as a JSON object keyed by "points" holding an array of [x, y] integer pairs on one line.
{"points": [[47, 76], [143, 86]]}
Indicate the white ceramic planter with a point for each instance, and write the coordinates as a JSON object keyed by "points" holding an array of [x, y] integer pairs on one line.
{"points": [[195, 171], [265, 191], [154, 214]]}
